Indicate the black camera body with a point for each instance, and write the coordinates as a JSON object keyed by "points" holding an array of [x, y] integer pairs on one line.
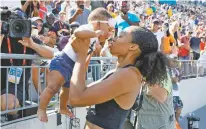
{"points": [[14, 23]]}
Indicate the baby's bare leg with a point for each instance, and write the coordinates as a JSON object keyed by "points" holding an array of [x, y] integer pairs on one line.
{"points": [[55, 81], [64, 98]]}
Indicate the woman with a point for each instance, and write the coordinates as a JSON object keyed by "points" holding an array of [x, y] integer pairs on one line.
{"points": [[167, 41], [114, 95], [174, 30]]}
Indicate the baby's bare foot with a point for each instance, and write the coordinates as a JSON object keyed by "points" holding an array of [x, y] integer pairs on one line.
{"points": [[42, 115], [65, 111]]}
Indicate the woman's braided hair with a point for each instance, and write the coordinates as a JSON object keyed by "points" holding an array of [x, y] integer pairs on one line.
{"points": [[151, 63]]}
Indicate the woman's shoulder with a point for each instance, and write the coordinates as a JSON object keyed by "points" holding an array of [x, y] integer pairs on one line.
{"points": [[130, 73]]}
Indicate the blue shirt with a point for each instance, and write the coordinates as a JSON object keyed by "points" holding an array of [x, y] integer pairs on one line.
{"points": [[122, 24]]}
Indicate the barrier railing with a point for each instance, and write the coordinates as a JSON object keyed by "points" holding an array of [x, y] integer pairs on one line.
{"points": [[28, 93], [29, 98], [192, 68]]}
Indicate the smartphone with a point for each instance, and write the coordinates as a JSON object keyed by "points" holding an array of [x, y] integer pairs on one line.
{"points": [[81, 6]]}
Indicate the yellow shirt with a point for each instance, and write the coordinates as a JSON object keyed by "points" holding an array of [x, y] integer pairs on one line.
{"points": [[113, 15], [149, 11], [169, 12], [167, 49]]}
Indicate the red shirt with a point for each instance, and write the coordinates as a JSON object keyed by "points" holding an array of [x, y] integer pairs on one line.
{"points": [[202, 46], [42, 14], [184, 50]]}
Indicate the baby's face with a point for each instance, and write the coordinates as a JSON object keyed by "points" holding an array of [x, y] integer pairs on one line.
{"points": [[108, 31]]}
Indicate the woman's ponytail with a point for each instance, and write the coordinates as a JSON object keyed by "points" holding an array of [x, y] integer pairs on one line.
{"points": [[153, 66]]}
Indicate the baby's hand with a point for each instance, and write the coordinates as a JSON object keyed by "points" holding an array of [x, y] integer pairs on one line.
{"points": [[99, 33]]}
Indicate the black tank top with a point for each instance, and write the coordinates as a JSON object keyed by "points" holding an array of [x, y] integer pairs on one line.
{"points": [[108, 115]]}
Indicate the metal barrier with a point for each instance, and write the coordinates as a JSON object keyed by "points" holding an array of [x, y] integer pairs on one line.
{"points": [[30, 97], [98, 67], [192, 68]]}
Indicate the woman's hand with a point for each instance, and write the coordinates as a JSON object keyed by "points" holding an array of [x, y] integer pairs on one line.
{"points": [[80, 46]]}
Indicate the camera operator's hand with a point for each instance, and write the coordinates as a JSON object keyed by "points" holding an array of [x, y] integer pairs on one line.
{"points": [[79, 11], [27, 42]]}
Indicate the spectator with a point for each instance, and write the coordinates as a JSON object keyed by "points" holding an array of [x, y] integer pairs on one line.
{"points": [[60, 26], [79, 14], [174, 30], [35, 70], [57, 7], [167, 41], [184, 50], [126, 18], [48, 25], [169, 12], [202, 64], [43, 10], [155, 29], [149, 10], [31, 8], [176, 77], [96, 4], [65, 6], [194, 44], [37, 24], [48, 6], [88, 4], [49, 40], [110, 9], [203, 43]]}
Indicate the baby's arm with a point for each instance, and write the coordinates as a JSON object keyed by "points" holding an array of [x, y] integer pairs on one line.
{"points": [[87, 33]]}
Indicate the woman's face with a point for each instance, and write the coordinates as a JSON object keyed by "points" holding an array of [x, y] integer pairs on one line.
{"points": [[120, 45]]}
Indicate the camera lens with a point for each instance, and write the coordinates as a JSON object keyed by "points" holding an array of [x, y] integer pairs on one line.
{"points": [[18, 28]]}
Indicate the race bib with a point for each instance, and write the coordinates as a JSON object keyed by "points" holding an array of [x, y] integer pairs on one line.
{"points": [[15, 73]]}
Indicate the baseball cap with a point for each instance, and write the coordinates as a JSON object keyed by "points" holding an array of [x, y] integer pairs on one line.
{"points": [[36, 18]]}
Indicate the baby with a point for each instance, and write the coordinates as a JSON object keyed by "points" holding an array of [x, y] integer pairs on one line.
{"points": [[61, 67]]}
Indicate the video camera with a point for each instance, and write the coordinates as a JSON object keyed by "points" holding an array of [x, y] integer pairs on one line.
{"points": [[14, 23]]}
